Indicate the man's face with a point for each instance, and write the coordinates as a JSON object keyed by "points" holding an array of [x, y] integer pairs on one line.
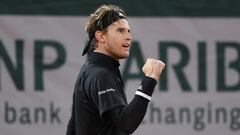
{"points": [[118, 39]]}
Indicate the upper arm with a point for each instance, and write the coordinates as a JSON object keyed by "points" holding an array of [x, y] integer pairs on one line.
{"points": [[106, 91]]}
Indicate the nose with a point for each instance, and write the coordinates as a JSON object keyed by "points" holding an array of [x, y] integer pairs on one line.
{"points": [[129, 36]]}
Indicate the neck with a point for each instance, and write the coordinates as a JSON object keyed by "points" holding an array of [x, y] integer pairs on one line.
{"points": [[104, 52]]}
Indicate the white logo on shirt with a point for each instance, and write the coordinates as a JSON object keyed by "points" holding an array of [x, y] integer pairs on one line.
{"points": [[140, 87], [106, 91]]}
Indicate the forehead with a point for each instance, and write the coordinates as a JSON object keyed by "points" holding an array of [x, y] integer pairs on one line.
{"points": [[121, 23]]}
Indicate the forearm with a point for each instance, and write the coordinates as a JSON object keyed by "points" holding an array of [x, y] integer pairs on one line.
{"points": [[128, 118]]}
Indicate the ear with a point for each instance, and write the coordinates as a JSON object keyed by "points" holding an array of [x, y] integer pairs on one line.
{"points": [[99, 36]]}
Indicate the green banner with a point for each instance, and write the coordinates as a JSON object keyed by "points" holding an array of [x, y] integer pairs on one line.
{"points": [[161, 8]]}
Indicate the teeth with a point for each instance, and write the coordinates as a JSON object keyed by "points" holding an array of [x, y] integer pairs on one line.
{"points": [[126, 45]]}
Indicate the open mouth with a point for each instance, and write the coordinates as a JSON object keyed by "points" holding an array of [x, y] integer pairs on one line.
{"points": [[126, 45]]}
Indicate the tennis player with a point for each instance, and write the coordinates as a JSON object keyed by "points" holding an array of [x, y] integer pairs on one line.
{"points": [[100, 106]]}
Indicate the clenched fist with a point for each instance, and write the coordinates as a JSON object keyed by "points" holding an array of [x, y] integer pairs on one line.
{"points": [[153, 68]]}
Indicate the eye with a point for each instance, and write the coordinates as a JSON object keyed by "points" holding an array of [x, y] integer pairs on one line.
{"points": [[121, 30]]}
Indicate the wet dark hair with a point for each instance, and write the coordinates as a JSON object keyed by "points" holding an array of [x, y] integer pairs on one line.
{"points": [[104, 16]]}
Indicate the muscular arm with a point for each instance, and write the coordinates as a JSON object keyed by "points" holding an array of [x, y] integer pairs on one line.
{"points": [[128, 118]]}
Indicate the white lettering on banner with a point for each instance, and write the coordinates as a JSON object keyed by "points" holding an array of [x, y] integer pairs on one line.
{"points": [[41, 57]]}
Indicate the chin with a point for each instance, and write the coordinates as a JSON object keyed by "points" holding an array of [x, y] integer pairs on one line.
{"points": [[124, 56]]}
